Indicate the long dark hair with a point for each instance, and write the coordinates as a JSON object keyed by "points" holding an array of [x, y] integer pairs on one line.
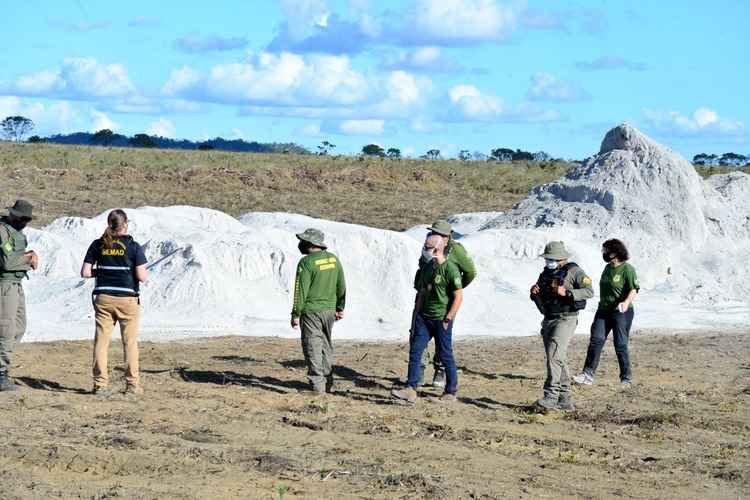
{"points": [[616, 247], [115, 220]]}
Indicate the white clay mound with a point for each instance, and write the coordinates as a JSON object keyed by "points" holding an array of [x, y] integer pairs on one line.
{"points": [[217, 275]]}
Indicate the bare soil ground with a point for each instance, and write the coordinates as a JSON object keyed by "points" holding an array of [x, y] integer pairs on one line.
{"points": [[230, 418]]}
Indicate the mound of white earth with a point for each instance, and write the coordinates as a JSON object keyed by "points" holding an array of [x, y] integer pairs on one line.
{"points": [[214, 274]]}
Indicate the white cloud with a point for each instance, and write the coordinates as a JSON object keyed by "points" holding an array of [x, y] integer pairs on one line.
{"points": [[446, 22], [77, 79], [703, 122], [468, 103], [421, 60], [162, 128], [362, 127], [101, 121], [269, 79], [193, 44], [473, 104], [51, 118], [311, 130], [546, 87]]}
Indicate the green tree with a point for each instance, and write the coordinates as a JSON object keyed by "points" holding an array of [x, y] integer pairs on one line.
{"points": [[35, 139], [373, 150], [142, 141], [501, 154], [205, 147], [325, 148], [464, 155], [16, 127], [393, 153], [103, 137], [432, 154]]}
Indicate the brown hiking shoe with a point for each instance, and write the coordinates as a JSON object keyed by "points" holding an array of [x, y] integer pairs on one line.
{"points": [[135, 390], [446, 399], [102, 392], [405, 394]]}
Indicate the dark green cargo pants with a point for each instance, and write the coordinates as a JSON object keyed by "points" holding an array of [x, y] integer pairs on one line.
{"points": [[317, 347], [12, 320]]}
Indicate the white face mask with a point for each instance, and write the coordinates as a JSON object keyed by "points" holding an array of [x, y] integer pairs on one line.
{"points": [[550, 263], [428, 255]]}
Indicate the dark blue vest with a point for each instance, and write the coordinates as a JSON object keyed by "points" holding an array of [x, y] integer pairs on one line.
{"points": [[115, 270]]}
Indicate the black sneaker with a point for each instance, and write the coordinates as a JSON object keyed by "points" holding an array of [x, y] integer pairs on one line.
{"points": [[7, 384], [329, 384]]}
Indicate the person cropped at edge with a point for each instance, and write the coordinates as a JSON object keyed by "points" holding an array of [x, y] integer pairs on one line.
{"points": [[15, 262], [456, 253], [319, 301], [618, 288], [559, 293], [118, 264], [439, 298]]}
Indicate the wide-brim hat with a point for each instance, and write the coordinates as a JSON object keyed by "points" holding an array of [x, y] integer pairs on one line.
{"points": [[21, 209], [313, 236], [555, 250], [441, 227]]}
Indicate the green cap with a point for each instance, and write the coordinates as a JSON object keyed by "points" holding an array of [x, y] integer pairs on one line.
{"points": [[313, 236], [555, 250], [21, 209], [441, 227]]}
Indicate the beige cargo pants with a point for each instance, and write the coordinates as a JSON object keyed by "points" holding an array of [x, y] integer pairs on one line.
{"points": [[12, 320], [109, 310], [556, 333], [318, 348]]}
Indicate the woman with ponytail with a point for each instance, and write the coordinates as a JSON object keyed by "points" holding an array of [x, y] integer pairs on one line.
{"points": [[118, 264]]}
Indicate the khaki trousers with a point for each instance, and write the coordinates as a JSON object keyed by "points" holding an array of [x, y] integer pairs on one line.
{"points": [[110, 310], [317, 346], [556, 333], [12, 320]]}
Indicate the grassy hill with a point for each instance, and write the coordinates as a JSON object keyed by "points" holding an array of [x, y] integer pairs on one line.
{"points": [[394, 194], [379, 192]]}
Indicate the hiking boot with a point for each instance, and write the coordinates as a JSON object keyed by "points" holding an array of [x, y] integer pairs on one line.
{"points": [[135, 390], [547, 403], [319, 388], [329, 384], [446, 399], [584, 378], [102, 392], [7, 384], [626, 385], [408, 394], [438, 380], [565, 403]]}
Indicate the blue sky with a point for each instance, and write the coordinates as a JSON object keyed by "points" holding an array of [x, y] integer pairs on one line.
{"points": [[416, 74]]}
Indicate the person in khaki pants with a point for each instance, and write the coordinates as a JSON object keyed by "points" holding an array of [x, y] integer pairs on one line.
{"points": [[120, 267]]}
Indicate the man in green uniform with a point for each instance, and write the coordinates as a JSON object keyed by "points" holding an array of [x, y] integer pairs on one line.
{"points": [[319, 300], [559, 293], [439, 299], [15, 262], [456, 253]]}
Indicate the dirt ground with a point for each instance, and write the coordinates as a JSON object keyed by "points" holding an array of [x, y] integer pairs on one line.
{"points": [[230, 418]]}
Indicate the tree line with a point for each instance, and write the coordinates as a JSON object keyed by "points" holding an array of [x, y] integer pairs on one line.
{"points": [[497, 154], [725, 160]]}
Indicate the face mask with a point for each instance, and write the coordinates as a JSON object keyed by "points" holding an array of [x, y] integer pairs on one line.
{"points": [[304, 248], [428, 255], [607, 257], [18, 224], [550, 264]]}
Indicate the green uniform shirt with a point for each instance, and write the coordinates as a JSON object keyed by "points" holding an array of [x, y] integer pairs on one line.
{"points": [[13, 262], [615, 285], [319, 285], [455, 252], [437, 284]]}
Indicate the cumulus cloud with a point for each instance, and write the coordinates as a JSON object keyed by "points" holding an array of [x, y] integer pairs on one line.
{"points": [[274, 79], [459, 22], [77, 79], [538, 19], [101, 121], [604, 63], [162, 128], [704, 122], [48, 118], [421, 60], [193, 44], [546, 87], [468, 103], [362, 127]]}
